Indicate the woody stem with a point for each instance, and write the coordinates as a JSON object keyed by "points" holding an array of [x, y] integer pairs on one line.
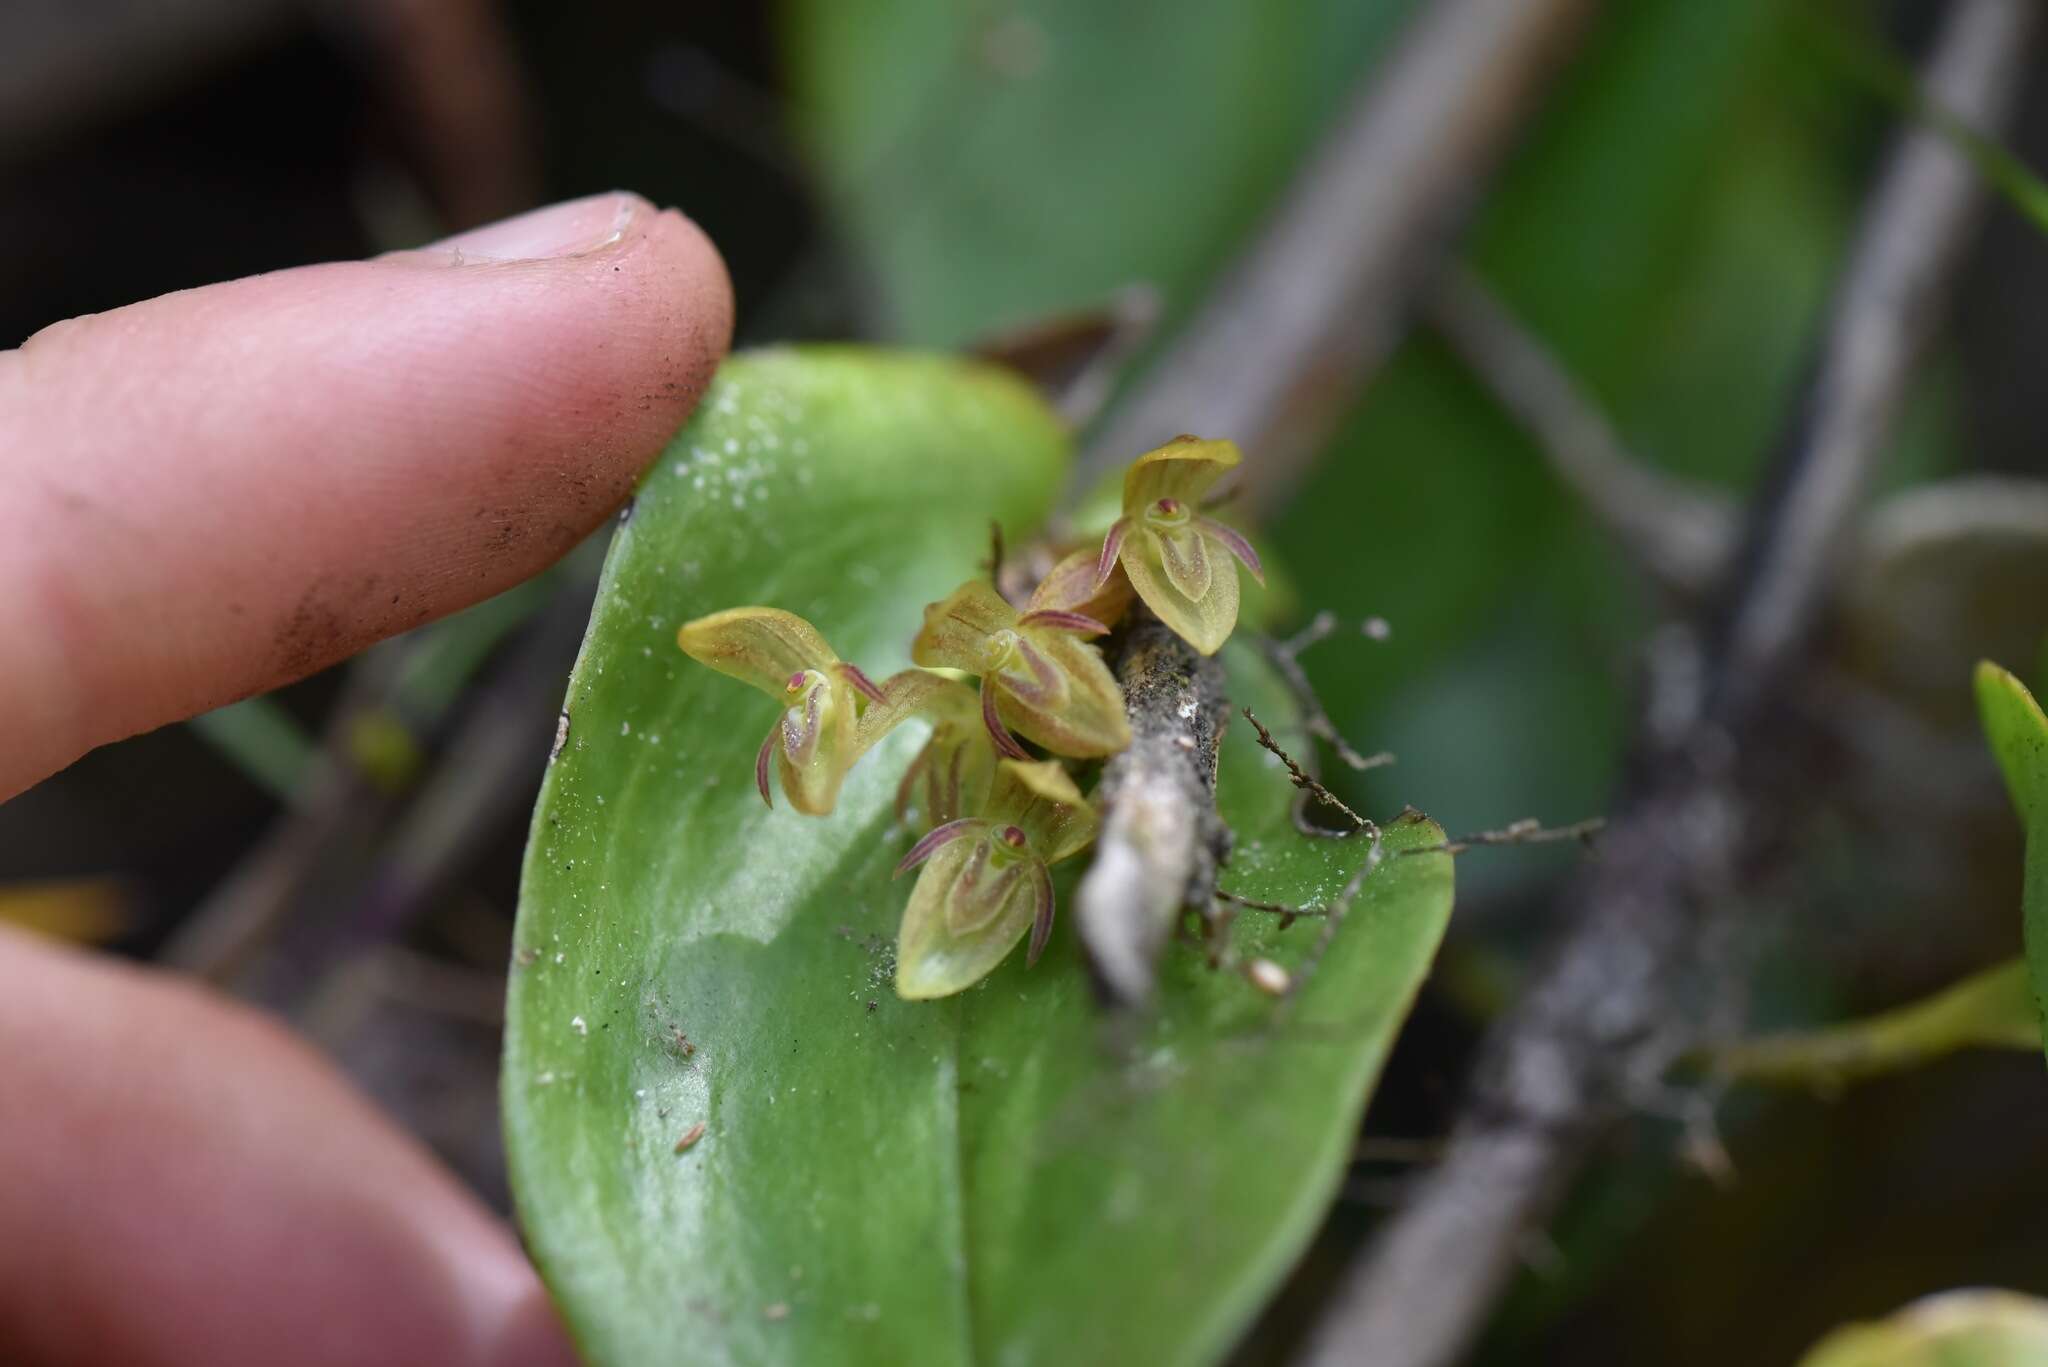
{"points": [[1162, 840]]}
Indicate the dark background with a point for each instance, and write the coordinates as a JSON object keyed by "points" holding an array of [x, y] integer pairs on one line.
{"points": [[1670, 224]]}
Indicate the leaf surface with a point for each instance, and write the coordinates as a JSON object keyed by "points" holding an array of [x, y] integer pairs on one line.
{"points": [[997, 1177]]}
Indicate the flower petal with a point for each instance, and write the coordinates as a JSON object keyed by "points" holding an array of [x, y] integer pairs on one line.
{"points": [[1112, 547], [1089, 718], [1060, 620], [1042, 910], [759, 646], [1204, 623], [910, 693], [761, 762], [860, 682], [956, 630], [1184, 469], [932, 960], [991, 717], [1231, 540], [919, 767], [937, 839], [1073, 586]]}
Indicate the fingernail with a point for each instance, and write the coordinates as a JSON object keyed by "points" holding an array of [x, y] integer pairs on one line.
{"points": [[569, 229]]}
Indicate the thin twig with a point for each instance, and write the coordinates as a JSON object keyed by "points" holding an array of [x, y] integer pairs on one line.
{"points": [[1333, 912], [1277, 908], [1313, 308], [1286, 658], [1527, 831], [1609, 1007], [1333, 916], [1306, 781]]}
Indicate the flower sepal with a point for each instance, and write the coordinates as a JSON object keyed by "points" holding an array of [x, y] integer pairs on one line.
{"points": [[985, 881]]}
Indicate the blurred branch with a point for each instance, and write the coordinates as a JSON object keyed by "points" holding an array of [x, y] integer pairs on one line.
{"points": [[1309, 313], [1680, 535], [1608, 1011]]}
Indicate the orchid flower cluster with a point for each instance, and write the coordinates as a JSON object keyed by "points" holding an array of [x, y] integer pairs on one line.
{"points": [[995, 818]]}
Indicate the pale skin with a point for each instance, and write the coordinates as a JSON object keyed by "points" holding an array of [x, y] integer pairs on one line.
{"points": [[203, 496]]}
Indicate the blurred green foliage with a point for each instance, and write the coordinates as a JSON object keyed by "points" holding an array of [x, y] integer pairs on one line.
{"points": [[1669, 225]]}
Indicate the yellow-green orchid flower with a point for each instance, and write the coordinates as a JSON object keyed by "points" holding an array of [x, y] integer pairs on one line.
{"points": [[1037, 674], [987, 879], [1171, 553], [832, 713]]}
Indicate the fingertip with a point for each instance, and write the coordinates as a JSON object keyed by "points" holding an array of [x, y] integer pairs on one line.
{"points": [[190, 1183], [222, 490]]}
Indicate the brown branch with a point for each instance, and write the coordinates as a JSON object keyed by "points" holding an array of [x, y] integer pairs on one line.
{"points": [[1286, 658], [1305, 781], [1527, 831], [1606, 1010], [1162, 841], [1314, 307]]}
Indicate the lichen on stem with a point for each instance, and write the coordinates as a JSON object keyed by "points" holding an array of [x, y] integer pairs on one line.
{"points": [[1162, 841]]}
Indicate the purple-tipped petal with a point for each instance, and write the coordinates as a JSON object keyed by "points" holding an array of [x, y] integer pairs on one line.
{"points": [[906, 787], [1060, 620], [761, 764], [1233, 543], [1041, 924], [952, 789], [861, 682], [1006, 744], [1112, 546], [936, 838]]}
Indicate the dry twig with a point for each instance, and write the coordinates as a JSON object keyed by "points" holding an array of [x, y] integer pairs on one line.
{"points": [[1599, 1016], [1162, 840], [1319, 298]]}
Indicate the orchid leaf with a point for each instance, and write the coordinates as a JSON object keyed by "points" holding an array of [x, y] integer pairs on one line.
{"points": [[998, 1176]]}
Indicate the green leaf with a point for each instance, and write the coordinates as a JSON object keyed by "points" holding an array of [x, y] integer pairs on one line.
{"points": [[264, 741], [998, 1176], [1957, 1329], [1993, 1009], [956, 178], [2018, 733]]}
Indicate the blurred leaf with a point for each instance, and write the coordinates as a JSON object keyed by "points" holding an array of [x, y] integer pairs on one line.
{"points": [[1956, 1329], [450, 652], [2019, 738], [88, 910], [1039, 155], [997, 1176], [1945, 574], [1863, 56], [1993, 1008], [264, 741], [382, 748]]}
